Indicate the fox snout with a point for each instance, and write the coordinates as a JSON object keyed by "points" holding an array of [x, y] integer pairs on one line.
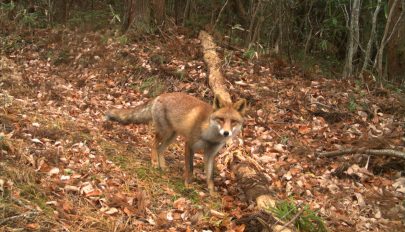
{"points": [[225, 133]]}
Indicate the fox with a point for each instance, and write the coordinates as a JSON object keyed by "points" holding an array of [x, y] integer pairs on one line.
{"points": [[204, 127]]}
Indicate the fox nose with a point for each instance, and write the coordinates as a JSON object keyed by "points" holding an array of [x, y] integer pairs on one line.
{"points": [[226, 133]]}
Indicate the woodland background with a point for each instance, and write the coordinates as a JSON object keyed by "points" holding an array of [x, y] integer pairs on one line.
{"points": [[344, 38], [318, 76]]}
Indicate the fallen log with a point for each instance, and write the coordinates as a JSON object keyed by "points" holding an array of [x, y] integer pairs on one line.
{"points": [[251, 177], [215, 77]]}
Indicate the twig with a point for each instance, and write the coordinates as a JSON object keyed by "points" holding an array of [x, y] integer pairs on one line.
{"points": [[219, 15], [368, 162], [23, 215], [263, 223], [350, 151]]}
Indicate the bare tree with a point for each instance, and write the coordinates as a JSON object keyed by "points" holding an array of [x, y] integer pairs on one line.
{"points": [[387, 36], [158, 7], [367, 54], [396, 47], [129, 12], [137, 12], [353, 40]]}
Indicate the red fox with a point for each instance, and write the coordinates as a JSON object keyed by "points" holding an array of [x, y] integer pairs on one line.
{"points": [[205, 128]]}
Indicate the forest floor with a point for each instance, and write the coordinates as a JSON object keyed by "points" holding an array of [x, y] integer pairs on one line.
{"points": [[64, 168]]}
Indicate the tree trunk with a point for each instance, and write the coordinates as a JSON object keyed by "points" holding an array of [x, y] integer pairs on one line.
{"points": [[60, 11], [186, 12], [367, 55], [129, 12], [353, 40], [159, 9], [396, 47], [138, 12], [387, 35], [253, 19]]}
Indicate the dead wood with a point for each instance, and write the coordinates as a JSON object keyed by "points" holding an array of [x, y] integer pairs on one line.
{"points": [[215, 77], [251, 176], [27, 215], [375, 152]]}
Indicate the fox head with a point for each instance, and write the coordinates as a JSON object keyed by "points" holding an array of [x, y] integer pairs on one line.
{"points": [[228, 117]]}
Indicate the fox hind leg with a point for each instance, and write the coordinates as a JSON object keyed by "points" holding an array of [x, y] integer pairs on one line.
{"points": [[162, 141]]}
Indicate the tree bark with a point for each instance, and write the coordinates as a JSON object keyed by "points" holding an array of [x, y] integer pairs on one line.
{"points": [[352, 44], [396, 47], [215, 78], [186, 12], [60, 11], [367, 55], [137, 11], [129, 12], [386, 37], [253, 19], [159, 10]]}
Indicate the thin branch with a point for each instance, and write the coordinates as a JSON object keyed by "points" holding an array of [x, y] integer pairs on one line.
{"points": [[371, 39], [396, 23], [219, 15], [375, 152]]}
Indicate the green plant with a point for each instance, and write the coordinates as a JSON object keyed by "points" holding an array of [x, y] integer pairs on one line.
{"points": [[12, 43], [95, 19], [352, 104], [7, 7], [284, 139], [152, 85], [123, 39], [32, 20], [307, 220], [62, 58], [250, 54], [115, 17]]}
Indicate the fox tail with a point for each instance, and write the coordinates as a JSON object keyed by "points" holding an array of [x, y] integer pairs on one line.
{"points": [[137, 115]]}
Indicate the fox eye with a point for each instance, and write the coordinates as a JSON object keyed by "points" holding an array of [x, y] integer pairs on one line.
{"points": [[220, 120]]}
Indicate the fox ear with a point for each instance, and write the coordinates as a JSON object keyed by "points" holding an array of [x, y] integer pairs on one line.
{"points": [[240, 106], [217, 102]]}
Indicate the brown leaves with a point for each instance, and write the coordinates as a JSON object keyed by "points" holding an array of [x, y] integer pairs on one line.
{"points": [[54, 124]]}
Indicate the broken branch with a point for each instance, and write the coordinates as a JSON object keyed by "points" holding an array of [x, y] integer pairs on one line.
{"points": [[24, 215], [351, 151]]}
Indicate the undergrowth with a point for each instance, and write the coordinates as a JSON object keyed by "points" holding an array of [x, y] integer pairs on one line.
{"points": [[307, 220]]}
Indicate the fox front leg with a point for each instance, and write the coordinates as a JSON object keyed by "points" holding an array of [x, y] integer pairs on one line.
{"points": [[188, 164], [209, 160]]}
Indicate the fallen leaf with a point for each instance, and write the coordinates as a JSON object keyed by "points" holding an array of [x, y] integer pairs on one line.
{"points": [[67, 207], [32, 226], [360, 200], [53, 171], [111, 211], [180, 203]]}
